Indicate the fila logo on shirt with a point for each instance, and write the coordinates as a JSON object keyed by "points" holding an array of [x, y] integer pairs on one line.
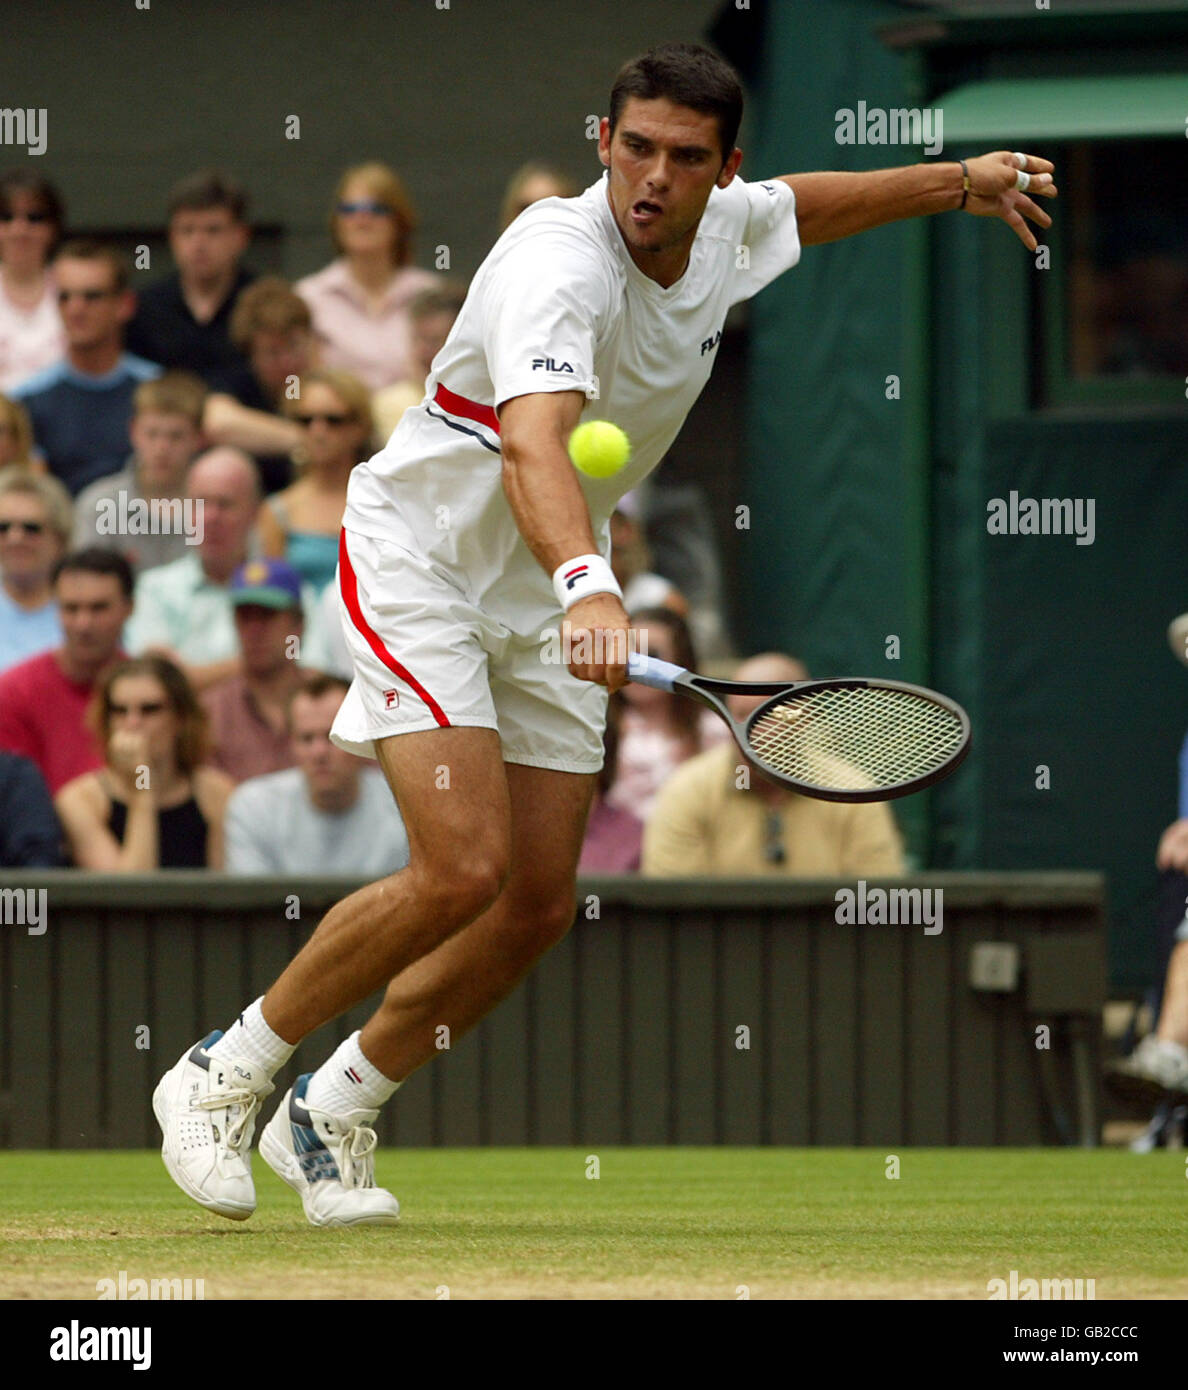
{"points": [[711, 343], [550, 365], [391, 698]]}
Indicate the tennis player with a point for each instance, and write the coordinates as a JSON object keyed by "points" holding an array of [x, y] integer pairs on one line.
{"points": [[468, 538]]}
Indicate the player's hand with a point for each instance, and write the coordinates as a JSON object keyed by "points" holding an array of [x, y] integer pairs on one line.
{"points": [[1173, 847], [993, 192], [596, 637]]}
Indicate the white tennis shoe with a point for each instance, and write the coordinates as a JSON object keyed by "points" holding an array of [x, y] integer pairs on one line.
{"points": [[329, 1160], [207, 1111]]}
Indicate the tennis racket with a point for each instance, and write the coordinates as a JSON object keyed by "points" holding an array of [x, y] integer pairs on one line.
{"points": [[838, 740]]}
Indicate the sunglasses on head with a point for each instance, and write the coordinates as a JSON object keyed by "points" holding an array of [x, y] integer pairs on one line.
{"points": [[36, 218], [363, 205], [30, 528], [325, 417], [90, 296]]}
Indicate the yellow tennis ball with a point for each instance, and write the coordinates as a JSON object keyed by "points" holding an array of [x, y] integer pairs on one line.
{"points": [[599, 448]]}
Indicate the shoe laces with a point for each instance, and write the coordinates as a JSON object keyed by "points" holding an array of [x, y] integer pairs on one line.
{"points": [[235, 1130], [353, 1154]]}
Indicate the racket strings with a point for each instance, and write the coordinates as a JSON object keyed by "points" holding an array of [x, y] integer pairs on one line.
{"points": [[854, 738]]}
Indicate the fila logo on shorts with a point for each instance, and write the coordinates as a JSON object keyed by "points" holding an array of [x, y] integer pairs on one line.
{"points": [[572, 576], [391, 698]]}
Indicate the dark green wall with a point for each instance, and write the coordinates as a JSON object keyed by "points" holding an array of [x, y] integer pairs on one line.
{"points": [[455, 99]]}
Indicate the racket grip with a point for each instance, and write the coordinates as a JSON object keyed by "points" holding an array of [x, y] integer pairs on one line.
{"points": [[650, 670]]}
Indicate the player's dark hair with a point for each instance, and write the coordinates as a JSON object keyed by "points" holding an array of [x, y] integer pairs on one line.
{"points": [[96, 560], [207, 189], [687, 75]]}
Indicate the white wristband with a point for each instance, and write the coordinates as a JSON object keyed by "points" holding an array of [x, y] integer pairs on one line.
{"points": [[582, 576]]}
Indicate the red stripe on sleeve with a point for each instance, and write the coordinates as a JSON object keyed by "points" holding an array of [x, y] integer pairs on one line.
{"points": [[350, 593], [469, 410]]}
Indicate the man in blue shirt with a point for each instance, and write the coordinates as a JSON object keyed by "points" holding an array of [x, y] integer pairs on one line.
{"points": [[81, 406]]}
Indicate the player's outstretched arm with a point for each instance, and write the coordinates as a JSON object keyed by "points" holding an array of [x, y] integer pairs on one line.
{"points": [[550, 510], [830, 206]]}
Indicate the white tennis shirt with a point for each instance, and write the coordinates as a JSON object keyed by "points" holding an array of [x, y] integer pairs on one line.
{"points": [[559, 305]]}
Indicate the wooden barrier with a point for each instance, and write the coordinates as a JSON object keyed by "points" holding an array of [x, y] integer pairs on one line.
{"points": [[675, 1012]]}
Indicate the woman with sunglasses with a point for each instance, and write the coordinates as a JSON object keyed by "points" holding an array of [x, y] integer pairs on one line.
{"points": [[153, 805], [360, 301], [31, 335], [301, 523], [36, 518]]}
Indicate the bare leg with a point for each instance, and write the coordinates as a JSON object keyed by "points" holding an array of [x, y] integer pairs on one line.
{"points": [[459, 835], [466, 976], [1173, 1016]]}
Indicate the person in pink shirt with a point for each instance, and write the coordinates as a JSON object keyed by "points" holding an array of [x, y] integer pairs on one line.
{"points": [[31, 333], [658, 730], [43, 701], [360, 301]]}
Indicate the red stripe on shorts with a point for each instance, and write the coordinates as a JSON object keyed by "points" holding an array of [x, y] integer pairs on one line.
{"points": [[469, 410], [350, 594]]}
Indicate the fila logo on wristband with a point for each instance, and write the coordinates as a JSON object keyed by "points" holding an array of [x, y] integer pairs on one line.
{"points": [[582, 576]]}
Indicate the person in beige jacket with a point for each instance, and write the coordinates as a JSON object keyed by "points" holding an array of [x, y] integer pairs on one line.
{"points": [[718, 815]]}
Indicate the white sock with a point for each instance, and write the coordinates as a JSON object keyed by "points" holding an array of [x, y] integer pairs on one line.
{"points": [[347, 1081], [249, 1039]]}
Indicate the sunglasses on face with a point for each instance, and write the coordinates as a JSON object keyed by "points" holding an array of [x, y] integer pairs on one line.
{"points": [[378, 209], [325, 417], [90, 296], [30, 528], [153, 707], [35, 218]]}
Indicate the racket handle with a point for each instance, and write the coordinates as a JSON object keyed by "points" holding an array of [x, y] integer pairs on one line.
{"points": [[650, 670]]}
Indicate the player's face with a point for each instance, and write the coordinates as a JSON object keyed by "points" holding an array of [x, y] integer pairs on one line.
{"points": [[664, 162]]}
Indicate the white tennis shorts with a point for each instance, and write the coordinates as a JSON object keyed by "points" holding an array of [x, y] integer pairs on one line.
{"points": [[426, 657]]}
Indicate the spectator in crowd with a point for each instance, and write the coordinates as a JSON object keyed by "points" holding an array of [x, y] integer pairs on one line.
{"points": [[302, 523], [35, 521], [166, 433], [631, 563], [360, 300], [31, 219], [80, 407], [614, 836], [658, 730], [432, 313], [153, 805], [183, 320], [529, 184], [43, 700], [1158, 1068], [30, 836], [718, 815], [16, 437], [183, 609], [248, 713], [273, 326], [329, 814]]}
